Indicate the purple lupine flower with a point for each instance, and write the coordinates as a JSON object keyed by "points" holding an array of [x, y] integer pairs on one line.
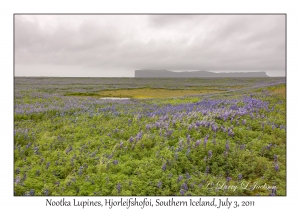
{"points": [[224, 130], [181, 191], [188, 151], [179, 178], [180, 142], [159, 184], [174, 122], [36, 150], [187, 175], [197, 143], [80, 170], [46, 192], [243, 146], [188, 139], [168, 133], [31, 192], [273, 127], [207, 170], [275, 158], [17, 180], [57, 183], [214, 127], [119, 187], [115, 162], [228, 179], [192, 185], [164, 167], [227, 145], [157, 125], [121, 144], [274, 191], [47, 165], [184, 186], [131, 139], [205, 141], [240, 177], [28, 145], [176, 156], [244, 121], [214, 141], [139, 136], [207, 124], [209, 154], [17, 171], [276, 167], [230, 132], [109, 156], [269, 146]]}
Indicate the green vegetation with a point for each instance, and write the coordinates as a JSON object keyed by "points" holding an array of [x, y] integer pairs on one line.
{"points": [[66, 144], [141, 93]]}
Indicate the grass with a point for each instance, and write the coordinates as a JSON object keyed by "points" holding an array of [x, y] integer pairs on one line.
{"points": [[279, 90], [140, 93], [143, 93]]}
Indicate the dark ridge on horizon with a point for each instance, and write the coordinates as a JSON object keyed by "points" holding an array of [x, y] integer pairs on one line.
{"points": [[148, 73]]}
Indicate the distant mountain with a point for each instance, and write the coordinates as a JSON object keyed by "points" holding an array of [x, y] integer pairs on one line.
{"points": [[187, 74]]}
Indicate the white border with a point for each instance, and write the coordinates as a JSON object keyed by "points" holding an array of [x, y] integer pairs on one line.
{"points": [[8, 8]]}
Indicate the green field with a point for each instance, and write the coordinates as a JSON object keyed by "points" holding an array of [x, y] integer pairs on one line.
{"points": [[208, 137], [143, 93]]}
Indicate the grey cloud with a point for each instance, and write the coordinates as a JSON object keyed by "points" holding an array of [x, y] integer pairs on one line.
{"points": [[175, 20], [120, 44]]}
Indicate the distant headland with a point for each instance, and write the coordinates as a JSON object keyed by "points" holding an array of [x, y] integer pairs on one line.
{"points": [[191, 74]]}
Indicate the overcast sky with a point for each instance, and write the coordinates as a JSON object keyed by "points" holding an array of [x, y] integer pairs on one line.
{"points": [[116, 45]]}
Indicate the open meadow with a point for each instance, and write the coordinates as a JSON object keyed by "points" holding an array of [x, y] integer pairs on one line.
{"points": [[208, 137]]}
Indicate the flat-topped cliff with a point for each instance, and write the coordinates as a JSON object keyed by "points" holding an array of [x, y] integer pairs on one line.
{"points": [[191, 74]]}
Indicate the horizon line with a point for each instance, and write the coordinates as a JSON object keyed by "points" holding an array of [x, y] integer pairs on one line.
{"points": [[142, 77]]}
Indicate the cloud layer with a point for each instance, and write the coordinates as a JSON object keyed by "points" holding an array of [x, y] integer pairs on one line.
{"points": [[116, 45]]}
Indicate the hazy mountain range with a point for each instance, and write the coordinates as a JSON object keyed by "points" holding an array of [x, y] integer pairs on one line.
{"points": [[167, 73]]}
